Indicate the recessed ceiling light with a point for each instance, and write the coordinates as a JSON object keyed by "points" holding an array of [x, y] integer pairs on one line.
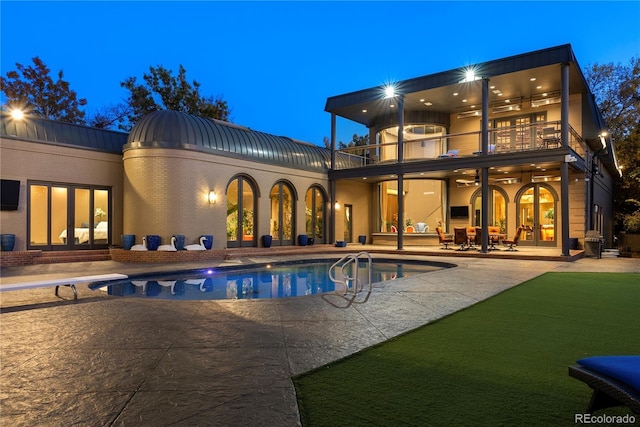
{"points": [[492, 87], [507, 101], [422, 100], [455, 93], [533, 79], [538, 87], [464, 100], [391, 105], [364, 111], [428, 104]]}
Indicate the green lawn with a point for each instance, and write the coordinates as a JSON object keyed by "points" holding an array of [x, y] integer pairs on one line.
{"points": [[501, 362]]}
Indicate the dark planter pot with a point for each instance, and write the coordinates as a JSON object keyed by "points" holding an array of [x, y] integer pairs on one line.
{"points": [[573, 243], [179, 241], [208, 241], [341, 244], [362, 239], [153, 241], [303, 239], [128, 240], [311, 241], [7, 241], [267, 240]]}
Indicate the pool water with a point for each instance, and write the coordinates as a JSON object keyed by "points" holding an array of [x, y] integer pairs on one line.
{"points": [[276, 280]]}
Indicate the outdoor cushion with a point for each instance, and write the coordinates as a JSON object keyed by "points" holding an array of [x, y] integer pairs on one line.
{"points": [[621, 368]]}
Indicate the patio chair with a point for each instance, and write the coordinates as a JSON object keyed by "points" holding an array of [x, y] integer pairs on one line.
{"points": [[460, 238], [444, 239], [513, 242], [615, 381]]}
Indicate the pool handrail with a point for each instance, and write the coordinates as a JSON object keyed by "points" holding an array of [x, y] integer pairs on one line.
{"points": [[345, 278]]}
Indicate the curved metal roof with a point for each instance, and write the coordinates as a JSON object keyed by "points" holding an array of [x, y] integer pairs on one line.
{"points": [[174, 129], [47, 131]]}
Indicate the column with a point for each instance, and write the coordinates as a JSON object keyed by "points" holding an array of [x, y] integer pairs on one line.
{"points": [[484, 132], [564, 166]]}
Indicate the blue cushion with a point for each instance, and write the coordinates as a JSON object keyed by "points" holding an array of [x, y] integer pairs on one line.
{"points": [[622, 368]]}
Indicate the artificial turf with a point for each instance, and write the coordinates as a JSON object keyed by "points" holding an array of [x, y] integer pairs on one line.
{"points": [[500, 362]]}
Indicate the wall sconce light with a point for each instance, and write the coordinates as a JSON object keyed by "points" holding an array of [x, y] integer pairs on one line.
{"points": [[212, 197], [337, 205], [477, 178]]}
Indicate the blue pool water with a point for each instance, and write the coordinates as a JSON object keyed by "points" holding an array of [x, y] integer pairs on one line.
{"points": [[275, 280]]}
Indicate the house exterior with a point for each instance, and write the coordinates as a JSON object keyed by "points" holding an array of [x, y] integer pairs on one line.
{"points": [[514, 142]]}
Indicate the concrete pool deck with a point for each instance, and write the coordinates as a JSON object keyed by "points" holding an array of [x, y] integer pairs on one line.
{"points": [[116, 361]]}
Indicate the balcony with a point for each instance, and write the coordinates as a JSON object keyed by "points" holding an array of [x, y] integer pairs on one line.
{"points": [[521, 138]]}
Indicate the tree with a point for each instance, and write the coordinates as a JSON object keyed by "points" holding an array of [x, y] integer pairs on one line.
{"points": [[162, 90], [31, 89], [617, 91]]}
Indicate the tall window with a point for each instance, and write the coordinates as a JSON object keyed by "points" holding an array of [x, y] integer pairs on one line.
{"points": [[497, 208], [315, 213], [282, 213], [423, 204], [241, 208], [68, 216]]}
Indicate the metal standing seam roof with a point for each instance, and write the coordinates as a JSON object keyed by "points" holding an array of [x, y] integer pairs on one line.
{"points": [[178, 130], [42, 130]]}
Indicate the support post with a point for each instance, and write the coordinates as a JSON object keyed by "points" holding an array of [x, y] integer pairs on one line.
{"points": [[564, 167]]}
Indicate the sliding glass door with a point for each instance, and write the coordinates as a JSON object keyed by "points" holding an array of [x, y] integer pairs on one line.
{"points": [[68, 217]]}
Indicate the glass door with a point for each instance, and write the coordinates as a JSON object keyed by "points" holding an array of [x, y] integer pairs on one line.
{"points": [[62, 217], [536, 213], [348, 223]]}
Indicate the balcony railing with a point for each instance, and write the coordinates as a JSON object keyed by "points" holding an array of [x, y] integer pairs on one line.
{"points": [[532, 137]]}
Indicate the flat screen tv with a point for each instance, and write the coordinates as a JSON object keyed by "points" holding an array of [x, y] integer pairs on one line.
{"points": [[459, 212], [9, 194]]}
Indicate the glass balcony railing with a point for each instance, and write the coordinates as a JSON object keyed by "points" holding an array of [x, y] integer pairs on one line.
{"points": [[532, 137]]}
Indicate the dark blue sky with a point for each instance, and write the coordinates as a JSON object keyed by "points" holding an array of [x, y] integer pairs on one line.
{"points": [[277, 62]]}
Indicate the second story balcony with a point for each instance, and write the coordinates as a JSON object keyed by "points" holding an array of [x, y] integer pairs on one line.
{"points": [[511, 139]]}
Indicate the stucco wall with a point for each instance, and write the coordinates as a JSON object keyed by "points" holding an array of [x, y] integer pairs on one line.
{"points": [[27, 160], [166, 193], [359, 195]]}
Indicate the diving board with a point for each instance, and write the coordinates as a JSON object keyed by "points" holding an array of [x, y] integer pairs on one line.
{"points": [[62, 281]]}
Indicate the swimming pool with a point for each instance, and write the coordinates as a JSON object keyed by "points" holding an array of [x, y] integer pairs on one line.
{"points": [[273, 280]]}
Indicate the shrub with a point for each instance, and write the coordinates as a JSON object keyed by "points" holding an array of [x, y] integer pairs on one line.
{"points": [[632, 222]]}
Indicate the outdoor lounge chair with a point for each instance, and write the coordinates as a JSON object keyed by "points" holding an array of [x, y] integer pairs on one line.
{"points": [[460, 238], [615, 381], [444, 239], [514, 241]]}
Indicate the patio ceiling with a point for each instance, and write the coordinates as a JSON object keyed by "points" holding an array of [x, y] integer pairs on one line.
{"points": [[517, 78]]}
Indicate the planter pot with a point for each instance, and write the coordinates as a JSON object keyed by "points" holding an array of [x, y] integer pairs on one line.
{"points": [[179, 241], [208, 241], [303, 239], [311, 241], [362, 239], [153, 241], [267, 240], [422, 227], [8, 241], [341, 244], [128, 240]]}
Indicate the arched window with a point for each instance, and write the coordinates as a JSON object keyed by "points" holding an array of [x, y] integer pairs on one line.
{"points": [[282, 221], [536, 212], [241, 212], [497, 214], [315, 213]]}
